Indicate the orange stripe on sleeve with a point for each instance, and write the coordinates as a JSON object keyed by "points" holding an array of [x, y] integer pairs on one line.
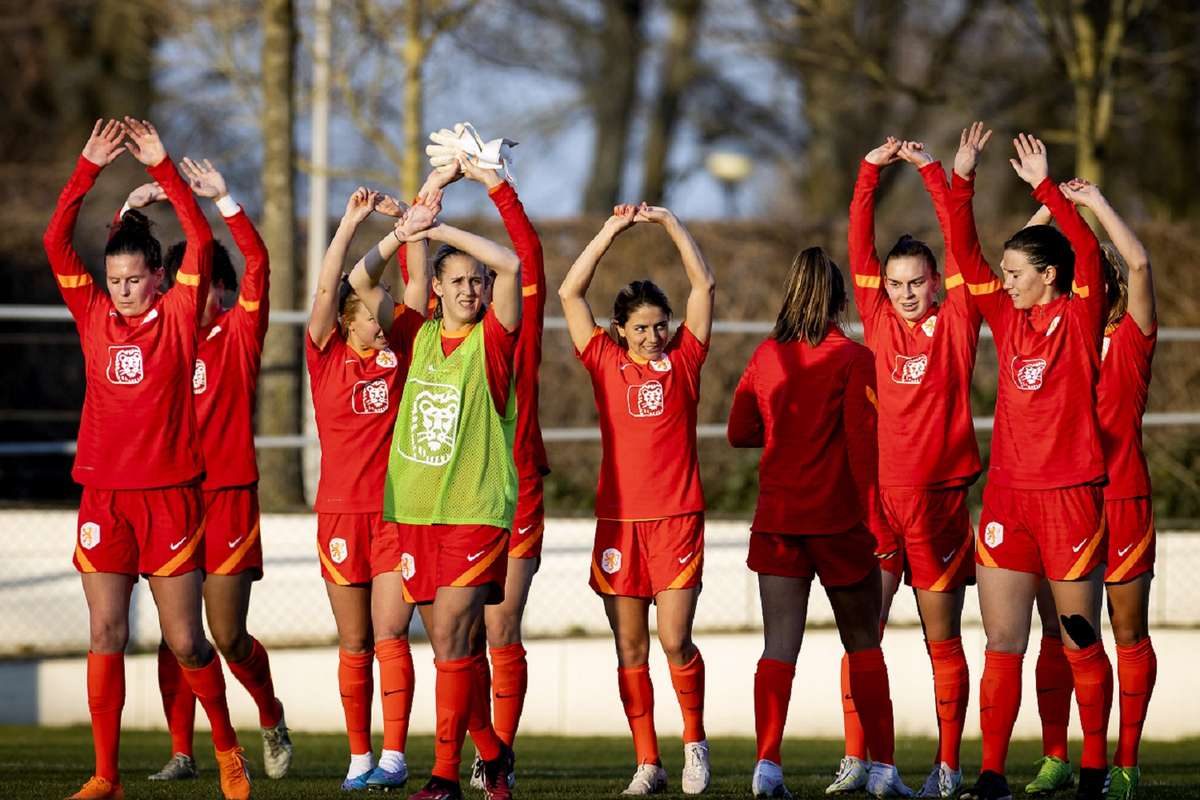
{"points": [[73, 281], [871, 396], [1081, 291], [954, 281], [867, 281], [983, 288], [249, 305], [530, 290]]}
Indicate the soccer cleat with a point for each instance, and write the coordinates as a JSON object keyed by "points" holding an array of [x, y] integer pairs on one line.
{"points": [[98, 788], [696, 771], [1123, 783], [358, 783], [385, 780], [477, 772], [1052, 774], [990, 786], [277, 749], [942, 782], [498, 775], [438, 789], [181, 767], [851, 776], [235, 774], [648, 779], [768, 781], [884, 781], [1093, 783]]}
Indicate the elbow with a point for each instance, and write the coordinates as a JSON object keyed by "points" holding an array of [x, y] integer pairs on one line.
{"points": [[1140, 263], [567, 293], [707, 283]]}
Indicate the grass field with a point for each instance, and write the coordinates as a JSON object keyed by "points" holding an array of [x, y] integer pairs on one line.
{"points": [[52, 763]]}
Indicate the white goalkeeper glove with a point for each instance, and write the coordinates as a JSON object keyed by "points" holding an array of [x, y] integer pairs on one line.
{"points": [[447, 144]]}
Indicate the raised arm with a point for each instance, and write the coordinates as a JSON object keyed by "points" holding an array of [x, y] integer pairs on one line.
{"points": [[1141, 305], [528, 246], [367, 271], [506, 291], [324, 312], [864, 261], [75, 284], [745, 427], [581, 322], [699, 315], [983, 288], [860, 419]]}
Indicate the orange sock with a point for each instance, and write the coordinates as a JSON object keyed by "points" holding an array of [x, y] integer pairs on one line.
{"points": [[453, 693], [1137, 667], [637, 696], [396, 678], [208, 684], [688, 681], [356, 684], [873, 697], [856, 739], [1054, 686], [254, 673], [510, 682], [1093, 694], [999, 701], [179, 704], [951, 691], [772, 693], [106, 698], [479, 719]]}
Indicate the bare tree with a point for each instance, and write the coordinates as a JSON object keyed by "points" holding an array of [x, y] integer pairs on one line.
{"points": [[679, 67]]}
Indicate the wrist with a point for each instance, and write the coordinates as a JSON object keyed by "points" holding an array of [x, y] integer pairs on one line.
{"points": [[227, 205]]}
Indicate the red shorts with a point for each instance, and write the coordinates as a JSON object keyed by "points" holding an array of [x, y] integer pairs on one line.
{"points": [[431, 556], [346, 545], [1056, 533], [933, 529], [530, 521], [1130, 523], [140, 531], [640, 558], [232, 534], [839, 559]]}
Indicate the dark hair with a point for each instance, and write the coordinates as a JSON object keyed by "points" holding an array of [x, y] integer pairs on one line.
{"points": [[132, 236], [440, 255], [1045, 247], [814, 296], [907, 246], [1116, 284], [222, 266], [348, 303], [630, 299]]}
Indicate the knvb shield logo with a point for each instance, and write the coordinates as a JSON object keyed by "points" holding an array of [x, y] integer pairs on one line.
{"points": [[386, 359], [89, 535], [610, 560], [408, 566], [124, 364], [338, 550], [993, 534]]}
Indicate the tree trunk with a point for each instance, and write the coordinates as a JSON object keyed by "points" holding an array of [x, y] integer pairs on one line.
{"points": [[612, 97], [414, 56], [678, 68], [279, 385]]}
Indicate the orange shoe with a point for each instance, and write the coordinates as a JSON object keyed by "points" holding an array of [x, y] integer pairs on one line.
{"points": [[98, 788], [235, 775]]}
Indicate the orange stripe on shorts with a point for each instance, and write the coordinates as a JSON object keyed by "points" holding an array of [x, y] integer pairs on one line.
{"points": [[1133, 557], [604, 585], [688, 572], [1077, 568], [240, 553], [524, 547], [330, 568], [984, 555], [83, 560], [940, 584], [485, 562], [182, 555]]}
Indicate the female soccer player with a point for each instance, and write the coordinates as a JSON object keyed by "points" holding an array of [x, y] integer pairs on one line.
{"points": [[928, 457], [223, 385], [452, 483], [138, 457], [1128, 349], [1042, 509], [357, 350], [807, 398], [649, 504]]}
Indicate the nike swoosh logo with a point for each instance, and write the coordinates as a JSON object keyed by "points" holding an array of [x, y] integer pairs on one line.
{"points": [[683, 559], [477, 555], [1077, 547], [234, 543], [521, 531], [949, 555], [179, 544], [1121, 553]]}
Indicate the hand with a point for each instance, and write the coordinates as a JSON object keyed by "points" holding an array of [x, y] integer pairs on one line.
{"points": [[104, 145], [390, 206], [146, 194], [469, 166], [884, 154], [419, 218], [360, 205], [1033, 168], [440, 178], [971, 142], [622, 218], [1082, 192], [656, 214], [914, 153], [204, 178], [144, 142]]}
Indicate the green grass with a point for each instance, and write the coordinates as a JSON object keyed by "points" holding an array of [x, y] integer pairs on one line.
{"points": [[54, 762]]}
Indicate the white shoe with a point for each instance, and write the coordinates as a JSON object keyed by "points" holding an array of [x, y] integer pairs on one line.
{"points": [[851, 776], [884, 781], [696, 771], [180, 767], [477, 773], [277, 749], [942, 782], [768, 781], [649, 779]]}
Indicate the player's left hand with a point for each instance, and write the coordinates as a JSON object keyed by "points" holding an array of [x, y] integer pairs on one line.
{"points": [[144, 142], [1031, 164], [204, 178]]}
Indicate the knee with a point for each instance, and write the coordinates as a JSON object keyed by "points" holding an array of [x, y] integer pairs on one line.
{"points": [[632, 651], [1127, 630], [677, 646], [356, 643], [109, 635], [190, 650], [503, 630], [1007, 641], [231, 640]]}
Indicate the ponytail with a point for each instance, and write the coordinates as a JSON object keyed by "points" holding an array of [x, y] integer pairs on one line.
{"points": [[814, 297], [132, 236]]}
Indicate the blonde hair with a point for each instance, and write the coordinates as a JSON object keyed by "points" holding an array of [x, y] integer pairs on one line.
{"points": [[1116, 284], [813, 297], [348, 304]]}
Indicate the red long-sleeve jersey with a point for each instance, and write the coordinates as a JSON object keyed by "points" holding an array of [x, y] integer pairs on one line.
{"points": [[922, 370], [225, 377], [813, 411], [1046, 432], [1121, 397], [138, 426]]}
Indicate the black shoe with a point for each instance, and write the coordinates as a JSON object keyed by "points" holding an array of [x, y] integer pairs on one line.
{"points": [[498, 776], [1093, 784], [990, 786], [438, 789]]}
